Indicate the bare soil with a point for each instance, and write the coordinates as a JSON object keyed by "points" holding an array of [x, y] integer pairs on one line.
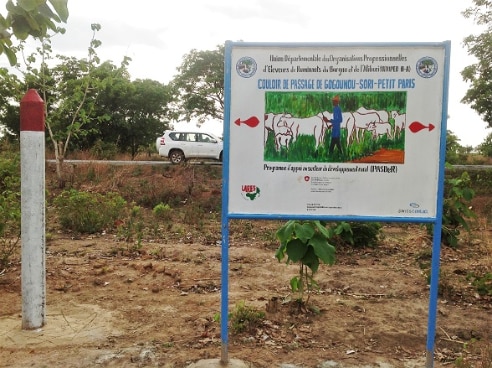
{"points": [[384, 156], [110, 303]]}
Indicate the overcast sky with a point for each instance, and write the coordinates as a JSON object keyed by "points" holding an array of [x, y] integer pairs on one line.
{"points": [[157, 34]]}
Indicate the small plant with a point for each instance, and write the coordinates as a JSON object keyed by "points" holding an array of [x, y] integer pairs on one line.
{"points": [[132, 229], [162, 211], [358, 234], [10, 211], [482, 283], [244, 318], [456, 209], [476, 354], [305, 242], [104, 150], [89, 212]]}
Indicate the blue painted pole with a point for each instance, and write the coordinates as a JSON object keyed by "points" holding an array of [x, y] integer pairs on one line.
{"points": [[436, 245], [224, 305]]}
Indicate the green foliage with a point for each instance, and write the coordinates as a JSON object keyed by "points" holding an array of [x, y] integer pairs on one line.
{"points": [[456, 209], [244, 318], [455, 153], [478, 75], [485, 148], [358, 234], [10, 90], [131, 230], [89, 213], [304, 104], [30, 18], [199, 86], [306, 243], [482, 283], [10, 211], [104, 150], [162, 211]]}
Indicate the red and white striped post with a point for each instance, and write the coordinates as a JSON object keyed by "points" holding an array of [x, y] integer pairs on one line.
{"points": [[33, 269]]}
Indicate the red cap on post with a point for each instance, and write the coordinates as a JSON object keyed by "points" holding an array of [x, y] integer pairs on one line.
{"points": [[32, 112]]}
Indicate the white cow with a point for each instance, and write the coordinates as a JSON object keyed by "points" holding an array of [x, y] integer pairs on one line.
{"points": [[400, 122], [313, 125], [383, 114], [271, 121], [282, 140], [380, 129], [358, 123]]}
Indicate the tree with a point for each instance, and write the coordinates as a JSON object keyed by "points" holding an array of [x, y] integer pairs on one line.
{"points": [[485, 148], [30, 18], [136, 110], [199, 88], [127, 113], [65, 90], [455, 153], [480, 73], [10, 95], [87, 102], [146, 114]]}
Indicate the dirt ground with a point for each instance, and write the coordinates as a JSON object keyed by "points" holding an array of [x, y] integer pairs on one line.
{"points": [[111, 305]]}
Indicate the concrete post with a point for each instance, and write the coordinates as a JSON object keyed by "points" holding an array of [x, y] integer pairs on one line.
{"points": [[33, 269]]}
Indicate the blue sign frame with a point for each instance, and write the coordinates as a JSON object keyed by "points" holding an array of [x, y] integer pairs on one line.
{"points": [[246, 67]]}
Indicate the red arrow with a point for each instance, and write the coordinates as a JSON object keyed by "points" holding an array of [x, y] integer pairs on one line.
{"points": [[251, 122], [417, 126]]}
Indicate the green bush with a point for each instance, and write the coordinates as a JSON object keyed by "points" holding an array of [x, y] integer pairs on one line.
{"points": [[10, 203], [104, 150], [358, 234], [132, 229], [162, 211], [89, 212], [482, 283], [245, 318], [456, 208], [481, 181]]}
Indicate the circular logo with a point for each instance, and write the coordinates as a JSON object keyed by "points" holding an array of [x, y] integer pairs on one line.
{"points": [[246, 67], [427, 67]]}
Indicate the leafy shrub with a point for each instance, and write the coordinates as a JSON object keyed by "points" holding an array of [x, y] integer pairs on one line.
{"points": [[89, 212], [456, 209], [10, 203], [104, 150], [162, 211], [482, 283], [358, 234], [306, 242], [132, 229], [481, 181], [245, 318]]}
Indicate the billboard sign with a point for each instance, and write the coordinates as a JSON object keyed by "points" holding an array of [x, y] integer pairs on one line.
{"points": [[350, 130]]}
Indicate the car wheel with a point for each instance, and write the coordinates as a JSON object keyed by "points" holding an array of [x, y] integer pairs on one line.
{"points": [[176, 157], [220, 157]]}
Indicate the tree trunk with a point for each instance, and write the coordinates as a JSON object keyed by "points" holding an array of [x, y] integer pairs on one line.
{"points": [[59, 164]]}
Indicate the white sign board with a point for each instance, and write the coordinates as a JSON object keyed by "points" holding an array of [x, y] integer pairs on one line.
{"points": [[291, 153]]}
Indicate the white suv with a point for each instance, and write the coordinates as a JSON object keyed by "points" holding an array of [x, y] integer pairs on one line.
{"points": [[179, 146]]}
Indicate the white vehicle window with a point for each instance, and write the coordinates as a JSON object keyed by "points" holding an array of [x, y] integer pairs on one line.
{"points": [[191, 137]]}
